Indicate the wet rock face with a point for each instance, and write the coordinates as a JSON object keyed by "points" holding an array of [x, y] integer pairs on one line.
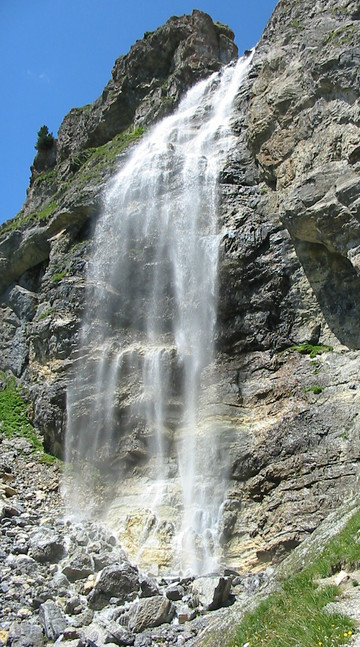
{"points": [[288, 274]]}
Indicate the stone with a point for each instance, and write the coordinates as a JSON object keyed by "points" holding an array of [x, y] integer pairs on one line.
{"points": [[25, 634], [2, 508], [22, 301], [71, 633], [79, 567], [95, 634], [117, 580], [13, 509], [149, 587], [184, 613], [118, 635], [46, 545], [174, 592], [52, 620], [213, 591], [150, 612]]}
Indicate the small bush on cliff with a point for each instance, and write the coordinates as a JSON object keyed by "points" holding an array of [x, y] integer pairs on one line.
{"points": [[45, 139]]}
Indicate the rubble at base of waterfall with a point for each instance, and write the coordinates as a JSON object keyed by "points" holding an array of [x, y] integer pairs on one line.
{"points": [[71, 583]]}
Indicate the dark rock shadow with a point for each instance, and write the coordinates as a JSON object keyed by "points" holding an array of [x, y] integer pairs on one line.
{"points": [[337, 288]]}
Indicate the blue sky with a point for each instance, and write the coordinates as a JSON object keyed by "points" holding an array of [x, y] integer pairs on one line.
{"points": [[58, 54]]}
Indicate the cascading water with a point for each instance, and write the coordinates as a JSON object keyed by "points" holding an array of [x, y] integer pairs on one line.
{"points": [[140, 428]]}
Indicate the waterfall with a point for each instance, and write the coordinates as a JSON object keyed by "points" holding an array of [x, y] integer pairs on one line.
{"points": [[142, 443]]}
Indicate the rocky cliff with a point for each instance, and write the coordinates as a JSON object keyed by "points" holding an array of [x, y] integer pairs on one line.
{"points": [[288, 335]]}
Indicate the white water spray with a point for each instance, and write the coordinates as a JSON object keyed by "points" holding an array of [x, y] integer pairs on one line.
{"points": [[139, 395]]}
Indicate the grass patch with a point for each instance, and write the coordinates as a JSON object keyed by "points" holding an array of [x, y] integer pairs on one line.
{"points": [[45, 178], [58, 276], [341, 36], [314, 389], [14, 420], [310, 349], [47, 313], [294, 615], [21, 219], [109, 151], [86, 167]]}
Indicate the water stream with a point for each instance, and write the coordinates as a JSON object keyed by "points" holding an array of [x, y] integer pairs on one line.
{"points": [[141, 432]]}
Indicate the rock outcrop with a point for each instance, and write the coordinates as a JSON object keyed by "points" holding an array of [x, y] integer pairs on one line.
{"points": [[288, 336]]}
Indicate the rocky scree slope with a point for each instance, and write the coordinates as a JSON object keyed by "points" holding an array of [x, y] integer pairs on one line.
{"points": [[63, 581], [288, 280]]}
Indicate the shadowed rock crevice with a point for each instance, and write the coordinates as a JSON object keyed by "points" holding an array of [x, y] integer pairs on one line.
{"points": [[336, 285]]}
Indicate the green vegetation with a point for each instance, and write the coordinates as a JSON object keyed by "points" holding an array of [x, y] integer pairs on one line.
{"points": [[45, 139], [45, 177], [310, 349], [89, 166], [316, 389], [340, 10], [341, 36], [14, 420], [294, 616], [316, 366], [58, 276], [46, 314], [35, 216], [109, 151]]}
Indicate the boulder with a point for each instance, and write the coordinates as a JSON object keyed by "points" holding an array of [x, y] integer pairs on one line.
{"points": [[175, 592], [184, 613], [46, 545], [150, 612], [117, 634], [79, 567], [117, 580], [25, 634], [212, 591], [52, 620]]}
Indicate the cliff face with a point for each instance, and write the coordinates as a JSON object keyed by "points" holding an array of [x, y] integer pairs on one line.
{"points": [[289, 270]]}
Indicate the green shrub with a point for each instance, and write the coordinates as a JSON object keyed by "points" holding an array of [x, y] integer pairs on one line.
{"points": [[45, 139]]}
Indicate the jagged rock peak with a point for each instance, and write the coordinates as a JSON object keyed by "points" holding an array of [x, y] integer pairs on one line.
{"points": [[148, 82]]}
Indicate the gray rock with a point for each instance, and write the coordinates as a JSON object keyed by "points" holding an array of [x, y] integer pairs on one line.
{"points": [[83, 619], [95, 634], [213, 591], [149, 587], [22, 301], [150, 612], [2, 508], [175, 592], [79, 567], [116, 580], [46, 545], [52, 620], [118, 635], [25, 634], [184, 613]]}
